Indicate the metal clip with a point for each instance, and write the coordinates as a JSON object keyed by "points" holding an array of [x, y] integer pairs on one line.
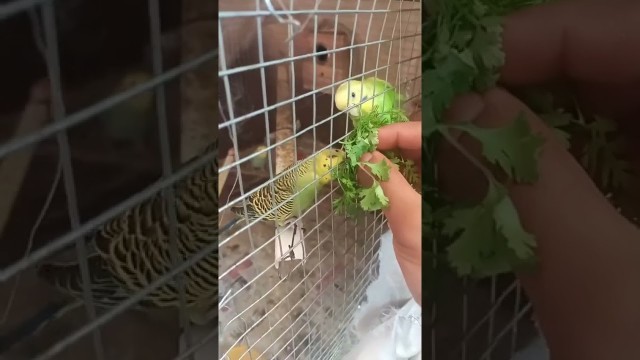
{"points": [[289, 19], [292, 236]]}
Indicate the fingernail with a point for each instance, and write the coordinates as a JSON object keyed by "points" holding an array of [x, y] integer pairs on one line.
{"points": [[465, 109], [366, 157]]}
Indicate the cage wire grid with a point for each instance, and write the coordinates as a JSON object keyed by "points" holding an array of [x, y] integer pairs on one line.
{"points": [[472, 322], [43, 17], [305, 312], [488, 319]]}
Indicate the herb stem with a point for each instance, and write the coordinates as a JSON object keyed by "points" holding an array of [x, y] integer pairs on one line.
{"points": [[444, 130]]}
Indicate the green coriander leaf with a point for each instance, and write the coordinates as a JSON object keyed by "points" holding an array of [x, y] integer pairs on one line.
{"points": [[364, 138], [373, 198], [462, 52], [476, 249], [428, 119], [373, 138], [508, 224], [489, 238], [513, 147], [410, 173], [539, 101], [557, 120], [603, 125], [487, 44], [355, 152], [381, 169]]}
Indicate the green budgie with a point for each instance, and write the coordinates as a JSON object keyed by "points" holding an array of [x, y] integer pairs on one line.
{"points": [[371, 92], [259, 161], [128, 122], [132, 250], [317, 169]]}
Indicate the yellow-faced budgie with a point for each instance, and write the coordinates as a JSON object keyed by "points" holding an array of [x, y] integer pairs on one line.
{"points": [[128, 122], [316, 170], [259, 161], [371, 93], [241, 352]]}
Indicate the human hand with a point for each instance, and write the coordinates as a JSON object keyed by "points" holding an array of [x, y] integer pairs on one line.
{"points": [[404, 211], [585, 289], [593, 44]]}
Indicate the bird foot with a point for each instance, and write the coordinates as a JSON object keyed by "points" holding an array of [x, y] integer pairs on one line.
{"points": [[290, 221]]}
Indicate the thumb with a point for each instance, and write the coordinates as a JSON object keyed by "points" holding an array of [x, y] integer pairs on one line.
{"points": [[403, 212]]}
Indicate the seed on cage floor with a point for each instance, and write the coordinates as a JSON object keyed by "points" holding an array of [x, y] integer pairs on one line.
{"points": [[236, 274], [242, 352], [330, 277]]}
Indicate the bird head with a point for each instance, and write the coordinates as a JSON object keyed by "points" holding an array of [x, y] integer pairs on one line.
{"points": [[262, 155], [349, 94], [134, 79], [241, 352], [326, 161]]}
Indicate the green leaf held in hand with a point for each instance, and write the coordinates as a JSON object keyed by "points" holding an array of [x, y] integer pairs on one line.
{"points": [[513, 147], [380, 170], [373, 198]]}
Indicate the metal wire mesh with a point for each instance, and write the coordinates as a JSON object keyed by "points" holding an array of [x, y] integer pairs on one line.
{"points": [[471, 319], [488, 319], [280, 63], [101, 178]]}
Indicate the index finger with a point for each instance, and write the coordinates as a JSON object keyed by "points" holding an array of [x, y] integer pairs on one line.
{"points": [[404, 136], [590, 41]]}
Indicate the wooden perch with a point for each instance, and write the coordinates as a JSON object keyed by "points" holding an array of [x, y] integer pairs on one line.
{"points": [[284, 121], [222, 177]]}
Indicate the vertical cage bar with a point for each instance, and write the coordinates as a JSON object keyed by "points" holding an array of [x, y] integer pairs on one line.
{"points": [[331, 129], [57, 103], [234, 136], [356, 222], [292, 79], [265, 103], [514, 330], [165, 151], [285, 152], [314, 150], [493, 314]]}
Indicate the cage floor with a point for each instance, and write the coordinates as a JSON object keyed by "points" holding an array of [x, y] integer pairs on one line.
{"points": [[305, 314], [122, 336]]}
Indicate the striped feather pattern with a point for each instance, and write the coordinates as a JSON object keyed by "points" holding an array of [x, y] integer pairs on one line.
{"points": [[267, 198], [133, 249]]}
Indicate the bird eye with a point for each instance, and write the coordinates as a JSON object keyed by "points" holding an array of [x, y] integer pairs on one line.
{"points": [[325, 165], [353, 95]]}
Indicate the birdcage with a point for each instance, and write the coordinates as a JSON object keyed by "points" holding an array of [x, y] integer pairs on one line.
{"points": [[280, 64], [480, 320], [105, 101]]}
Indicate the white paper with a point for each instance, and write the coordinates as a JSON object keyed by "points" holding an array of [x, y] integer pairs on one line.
{"points": [[289, 242], [388, 323]]}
